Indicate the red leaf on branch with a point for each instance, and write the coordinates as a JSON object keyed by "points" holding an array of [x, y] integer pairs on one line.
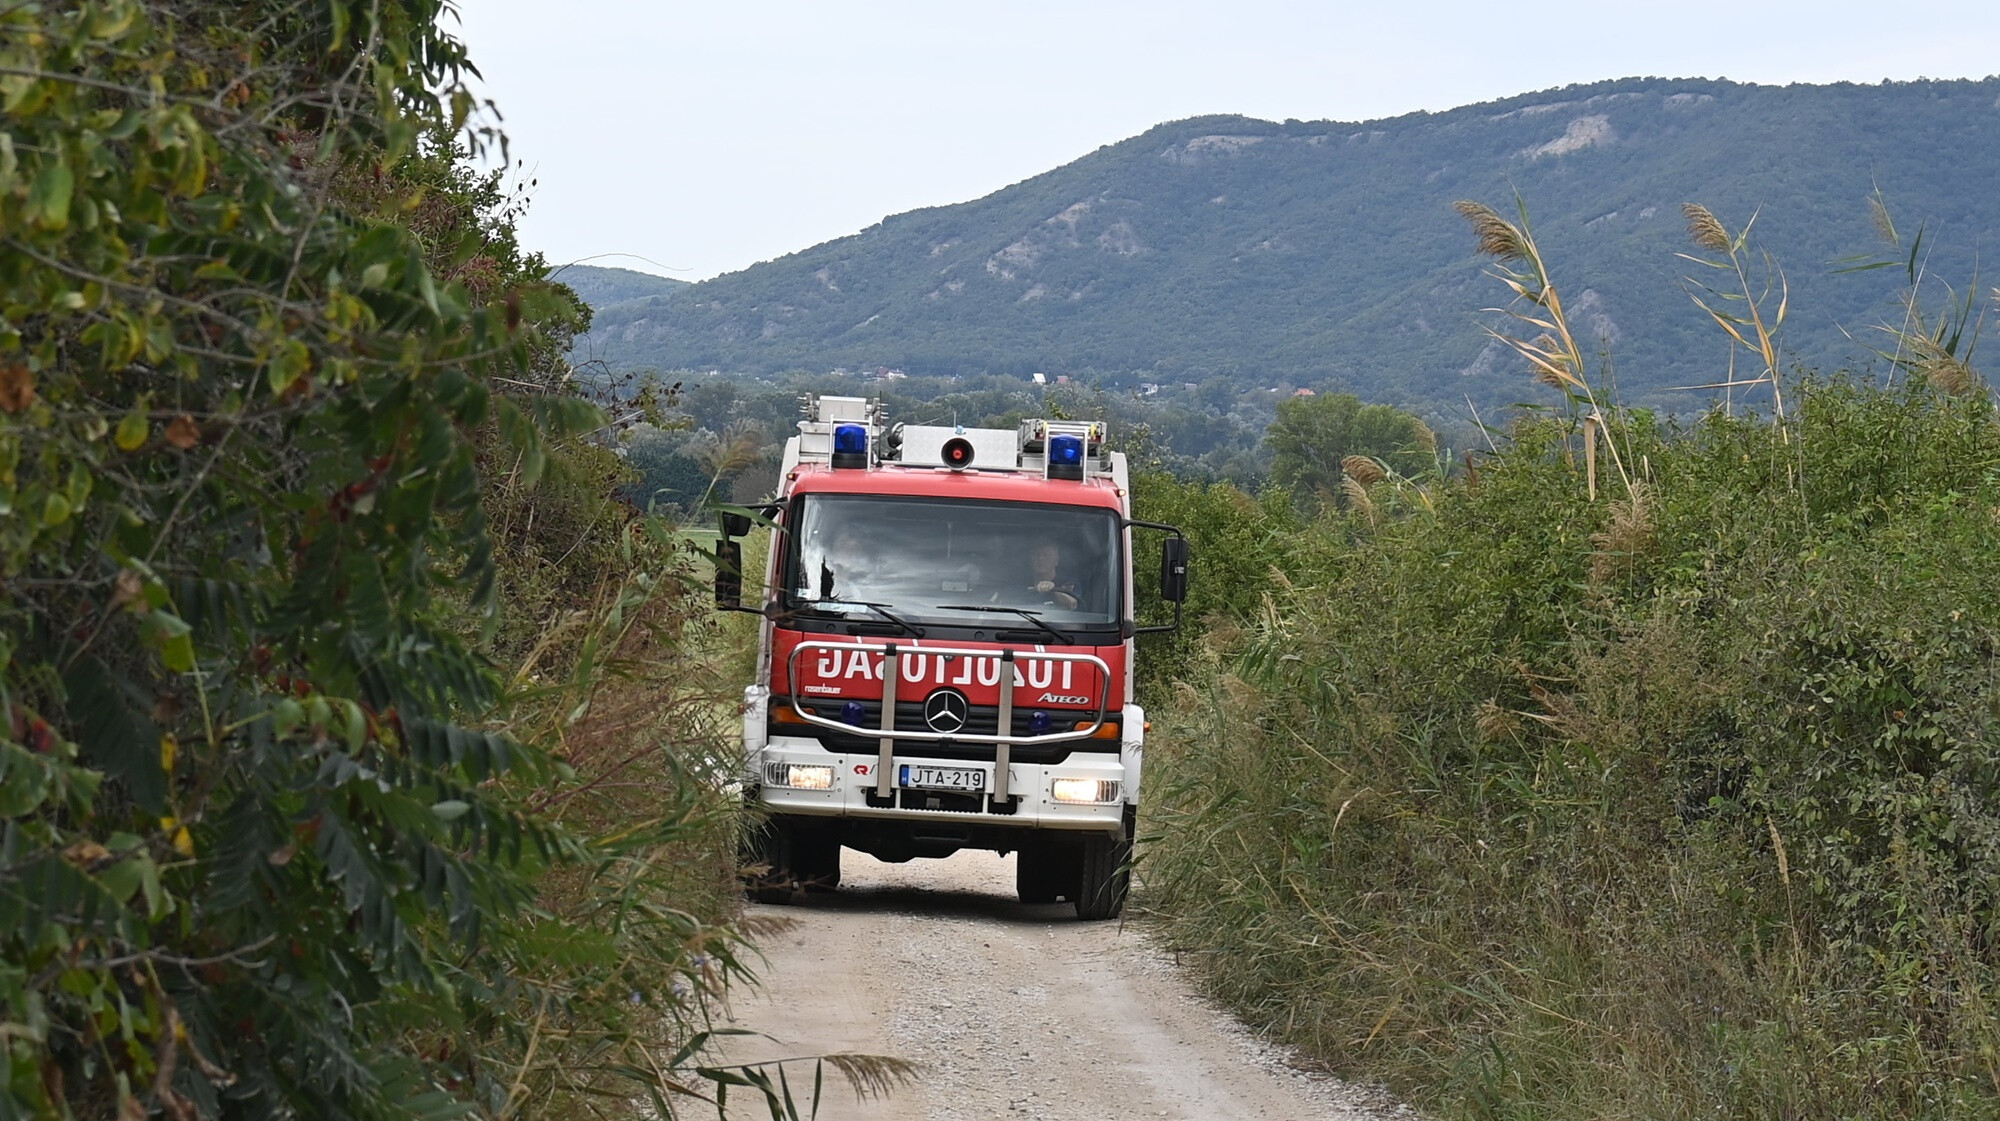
{"points": [[183, 432], [17, 388]]}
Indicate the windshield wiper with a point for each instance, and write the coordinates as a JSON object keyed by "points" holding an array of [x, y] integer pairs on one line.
{"points": [[1034, 617], [881, 609]]}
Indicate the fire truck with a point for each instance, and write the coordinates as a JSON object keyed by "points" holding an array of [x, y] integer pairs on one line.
{"points": [[946, 654]]}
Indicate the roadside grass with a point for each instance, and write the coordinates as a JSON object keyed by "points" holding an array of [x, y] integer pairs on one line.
{"points": [[617, 660], [1530, 805]]}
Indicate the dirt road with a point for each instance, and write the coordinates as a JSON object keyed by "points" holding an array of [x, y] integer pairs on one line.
{"points": [[1011, 1011]]}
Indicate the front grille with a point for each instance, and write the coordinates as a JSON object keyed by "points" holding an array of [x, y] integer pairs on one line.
{"points": [[983, 720]]}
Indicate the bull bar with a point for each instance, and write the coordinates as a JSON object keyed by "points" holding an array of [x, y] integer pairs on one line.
{"points": [[892, 675]]}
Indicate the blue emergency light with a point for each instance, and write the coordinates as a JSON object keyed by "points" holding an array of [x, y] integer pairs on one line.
{"points": [[1038, 723], [1066, 457], [850, 713], [850, 445]]}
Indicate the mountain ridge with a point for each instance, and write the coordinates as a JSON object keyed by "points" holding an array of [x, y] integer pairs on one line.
{"points": [[1324, 253], [605, 286]]}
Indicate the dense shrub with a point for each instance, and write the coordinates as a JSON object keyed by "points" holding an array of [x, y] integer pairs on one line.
{"points": [[345, 721], [1674, 803]]}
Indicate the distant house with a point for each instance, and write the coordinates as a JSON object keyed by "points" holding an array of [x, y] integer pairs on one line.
{"points": [[1041, 379], [1062, 379], [1305, 393]]}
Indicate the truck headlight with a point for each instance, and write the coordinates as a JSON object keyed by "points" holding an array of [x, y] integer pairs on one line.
{"points": [[1086, 791], [799, 776]]}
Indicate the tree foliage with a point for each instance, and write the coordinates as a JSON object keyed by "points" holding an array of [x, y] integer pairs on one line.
{"points": [[1313, 436], [267, 846]]}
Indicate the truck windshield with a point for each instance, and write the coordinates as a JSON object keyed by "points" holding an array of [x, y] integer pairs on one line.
{"points": [[946, 560]]}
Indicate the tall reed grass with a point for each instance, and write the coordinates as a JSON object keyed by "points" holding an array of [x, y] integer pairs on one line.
{"points": [[616, 657]]}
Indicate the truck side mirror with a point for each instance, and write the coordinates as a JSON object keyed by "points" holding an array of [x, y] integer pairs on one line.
{"points": [[1174, 570], [735, 525], [728, 575]]}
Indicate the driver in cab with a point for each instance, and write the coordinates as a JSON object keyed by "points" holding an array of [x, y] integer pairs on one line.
{"points": [[1046, 578], [847, 562]]}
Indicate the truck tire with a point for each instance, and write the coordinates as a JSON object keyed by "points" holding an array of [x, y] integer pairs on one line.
{"points": [[1039, 874], [766, 863], [1105, 875], [815, 861]]}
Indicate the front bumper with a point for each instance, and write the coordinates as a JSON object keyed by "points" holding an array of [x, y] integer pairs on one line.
{"points": [[852, 794]]}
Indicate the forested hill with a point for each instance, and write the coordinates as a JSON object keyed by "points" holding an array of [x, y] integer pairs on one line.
{"points": [[601, 287], [1327, 254]]}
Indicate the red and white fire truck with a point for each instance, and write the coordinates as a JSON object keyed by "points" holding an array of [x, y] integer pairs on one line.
{"points": [[946, 656]]}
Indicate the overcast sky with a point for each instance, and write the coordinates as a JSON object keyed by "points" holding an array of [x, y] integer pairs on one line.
{"points": [[701, 138]]}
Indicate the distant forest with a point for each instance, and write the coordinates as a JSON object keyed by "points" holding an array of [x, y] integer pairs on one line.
{"points": [[732, 429]]}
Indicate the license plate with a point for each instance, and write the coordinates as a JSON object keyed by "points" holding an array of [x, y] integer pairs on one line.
{"points": [[941, 778]]}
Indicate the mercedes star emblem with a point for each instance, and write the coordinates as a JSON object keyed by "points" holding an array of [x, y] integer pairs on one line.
{"points": [[945, 711]]}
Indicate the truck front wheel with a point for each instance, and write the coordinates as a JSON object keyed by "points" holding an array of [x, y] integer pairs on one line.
{"points": [[791, 856], [1106, 873], [816, 858], [765, 862]]}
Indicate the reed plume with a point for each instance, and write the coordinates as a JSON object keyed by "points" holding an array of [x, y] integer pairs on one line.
{"points": [[1552, 363], [1878, 216], [1704, 228], [734, 450], [1427, 440], [1940, 367], [1497, 723], [872, 1076], [1497, 236], [1358, 499], [1363, 470], [1627, 534], [1554, 357], [1749, 313]]}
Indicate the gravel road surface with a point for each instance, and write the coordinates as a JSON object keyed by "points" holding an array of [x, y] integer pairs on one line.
{"points": [[1009, 1010]]}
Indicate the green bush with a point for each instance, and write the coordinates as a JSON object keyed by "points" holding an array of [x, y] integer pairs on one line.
{"points": [[1237, 543], [1671, 804]]}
